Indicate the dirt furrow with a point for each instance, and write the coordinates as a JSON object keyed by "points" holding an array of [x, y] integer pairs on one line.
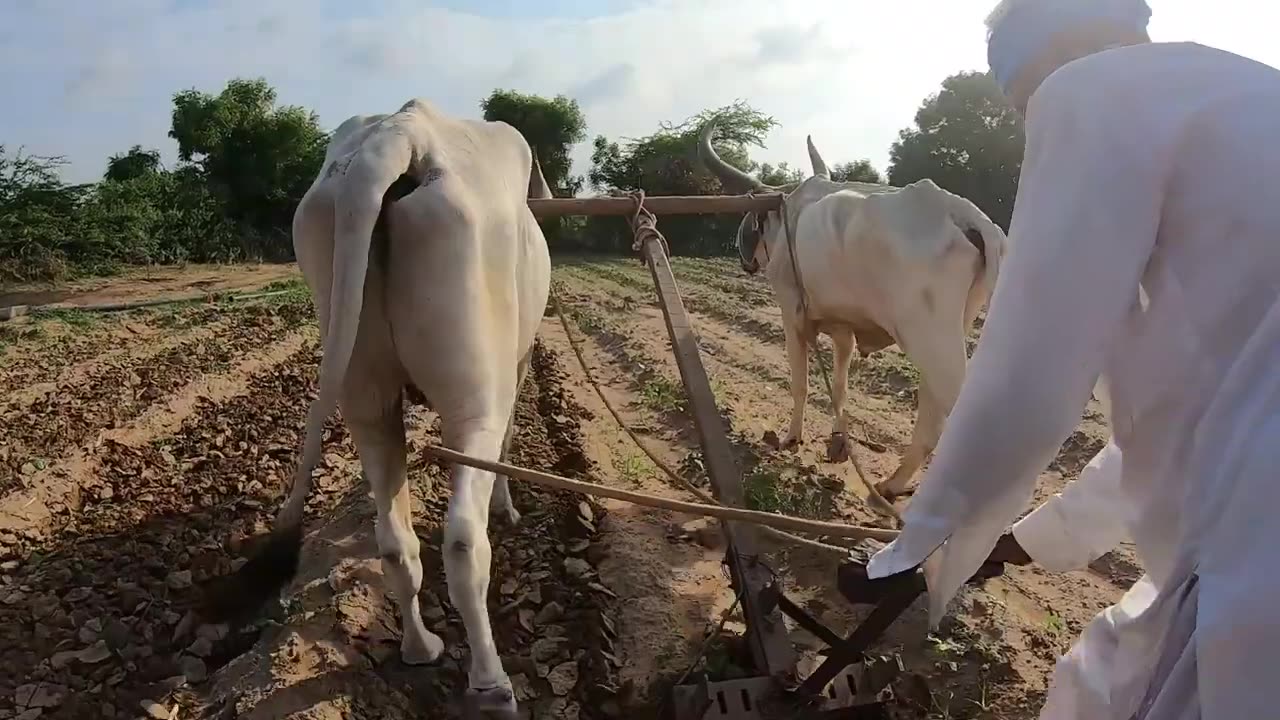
{"points": [[762, 322], [69, 343], [32, 435], [337, 653], [54, 495], [743, 363], [161, 517], [665, 567], [43, 350]]}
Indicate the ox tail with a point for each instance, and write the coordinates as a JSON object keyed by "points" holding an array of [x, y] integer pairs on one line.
{"points": [[358, 205], [985, 235]]}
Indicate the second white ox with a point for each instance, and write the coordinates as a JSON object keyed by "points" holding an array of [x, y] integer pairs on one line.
{"points": [[879, 265], [448, 302]]}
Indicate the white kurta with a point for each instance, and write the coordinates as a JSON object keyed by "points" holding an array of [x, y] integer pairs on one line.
{"points": [[1084, 521], [1156, 165]]}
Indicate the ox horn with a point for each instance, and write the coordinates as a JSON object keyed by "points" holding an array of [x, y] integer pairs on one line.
{"points": [[733, 179], [815, 159], [537, 181]]}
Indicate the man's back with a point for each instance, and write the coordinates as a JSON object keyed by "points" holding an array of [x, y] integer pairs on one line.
{"points": [[1202, 121], [1214, 114]]}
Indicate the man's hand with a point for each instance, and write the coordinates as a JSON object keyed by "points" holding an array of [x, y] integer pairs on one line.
{"points": [[1008, 551]]}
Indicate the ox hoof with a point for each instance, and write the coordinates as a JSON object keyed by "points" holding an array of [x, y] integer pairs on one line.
{"points": [[888, 493], [424, 649], [498, 702], [509, 517], [504, 514], [838, 448]]}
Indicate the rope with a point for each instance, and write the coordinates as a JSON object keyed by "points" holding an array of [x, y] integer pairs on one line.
{"points": [[644, 226], [875, 496], [676, 477], [753, 517]]}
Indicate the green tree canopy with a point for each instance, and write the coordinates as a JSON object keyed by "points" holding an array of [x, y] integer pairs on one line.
{"points": [[780, 174], [666, 163], [132, 164], [37, 216], [551, 126], [858, 171], [967, 139], [259, 158]]}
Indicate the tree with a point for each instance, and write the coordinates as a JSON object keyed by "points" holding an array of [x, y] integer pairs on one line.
{"points": [[132, 164], [968, 140], [257, 157], [859, 171], [550, 126], [38, 235], [666, 163], [781, 174]]}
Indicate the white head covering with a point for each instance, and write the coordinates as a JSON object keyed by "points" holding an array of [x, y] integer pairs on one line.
{"points": [[1020, 29]]}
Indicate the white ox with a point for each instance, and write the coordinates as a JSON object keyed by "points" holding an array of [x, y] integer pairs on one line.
{"points": [[879, 265], [448, 302]]}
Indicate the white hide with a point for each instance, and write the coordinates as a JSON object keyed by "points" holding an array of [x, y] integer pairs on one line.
{"points": [[450, 303], [880, 265], [898, 261]]}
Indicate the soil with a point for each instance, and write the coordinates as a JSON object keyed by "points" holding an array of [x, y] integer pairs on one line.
{"points": [[149, 283], [142, 453]]}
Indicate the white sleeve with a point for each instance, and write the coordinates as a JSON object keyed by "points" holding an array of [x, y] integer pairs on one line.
{"points": [[1076, 526], [1084, 225]]}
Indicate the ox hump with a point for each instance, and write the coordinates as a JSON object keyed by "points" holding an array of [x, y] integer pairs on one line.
{"points": [[916, 220]]}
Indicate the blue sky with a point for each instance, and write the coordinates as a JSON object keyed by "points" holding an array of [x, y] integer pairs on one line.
{"points": [[86, 78]]}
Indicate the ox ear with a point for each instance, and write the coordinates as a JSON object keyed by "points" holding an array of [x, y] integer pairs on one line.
{"points": [[748, 242], [537, 182], [815, 159]]}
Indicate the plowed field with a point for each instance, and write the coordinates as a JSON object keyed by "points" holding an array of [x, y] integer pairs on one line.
{"points": [[139, 452]]}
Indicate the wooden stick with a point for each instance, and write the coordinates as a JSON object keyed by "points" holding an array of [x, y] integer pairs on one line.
{"points": [[755, 517], [657, 204]]}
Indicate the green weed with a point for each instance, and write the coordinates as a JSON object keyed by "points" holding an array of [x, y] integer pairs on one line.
{"points": [[662, 395], [769, 489]]}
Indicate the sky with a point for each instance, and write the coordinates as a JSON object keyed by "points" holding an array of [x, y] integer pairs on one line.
{"points": [[84, 78]]}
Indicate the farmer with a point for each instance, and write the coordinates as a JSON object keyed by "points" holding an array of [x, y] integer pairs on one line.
{"points": [[1146, 251]]}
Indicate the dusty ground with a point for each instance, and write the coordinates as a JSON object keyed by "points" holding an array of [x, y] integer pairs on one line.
{"points": [[138, 452], [145, 284]]}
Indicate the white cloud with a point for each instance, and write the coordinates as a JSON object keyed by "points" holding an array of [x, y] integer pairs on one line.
{"points": [[86, 79]]}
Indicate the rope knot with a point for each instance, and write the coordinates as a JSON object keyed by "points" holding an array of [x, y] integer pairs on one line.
{"points": [[644, 226]]}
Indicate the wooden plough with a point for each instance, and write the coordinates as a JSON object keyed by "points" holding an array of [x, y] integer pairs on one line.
{"points": [[849, 683]]}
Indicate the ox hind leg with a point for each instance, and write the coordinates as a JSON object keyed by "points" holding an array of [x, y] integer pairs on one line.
{"points": [[473, 388], [372, 407], [937, 348], [377, 426], [500, 505], [466, 550]]}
